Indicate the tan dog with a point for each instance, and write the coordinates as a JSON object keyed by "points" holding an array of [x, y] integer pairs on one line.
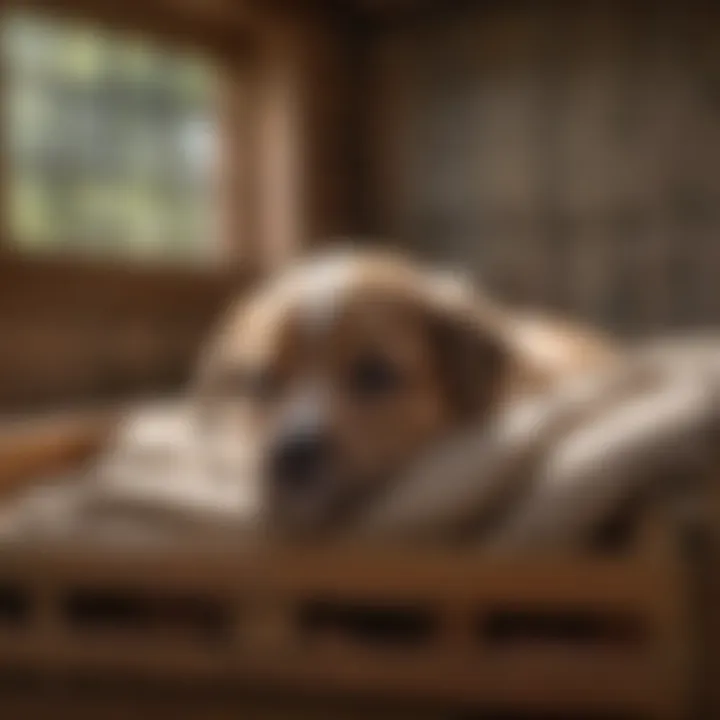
{"points": [[345, 368]]}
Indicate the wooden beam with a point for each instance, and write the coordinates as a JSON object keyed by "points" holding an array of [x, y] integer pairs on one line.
{"points": [[214, 26], [28, 283], [303, 84]]}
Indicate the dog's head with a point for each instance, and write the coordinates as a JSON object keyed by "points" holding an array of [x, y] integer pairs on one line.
{"points": [[344, 369]]}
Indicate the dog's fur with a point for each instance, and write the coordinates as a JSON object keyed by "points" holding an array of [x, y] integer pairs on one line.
{"points": [[435, 416], [378, 358]]}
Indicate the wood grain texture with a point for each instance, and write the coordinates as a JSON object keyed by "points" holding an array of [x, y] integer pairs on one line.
{"points": [[457, 665], [70, 330]]}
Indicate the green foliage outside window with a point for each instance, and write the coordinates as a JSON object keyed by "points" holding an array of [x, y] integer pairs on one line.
{"points": [[110, 144]]}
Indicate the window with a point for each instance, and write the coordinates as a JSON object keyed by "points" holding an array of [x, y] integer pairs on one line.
{"points": [[111, 144]]}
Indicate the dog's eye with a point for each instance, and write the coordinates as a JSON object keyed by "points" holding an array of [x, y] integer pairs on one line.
{"points": [[373, 376]]}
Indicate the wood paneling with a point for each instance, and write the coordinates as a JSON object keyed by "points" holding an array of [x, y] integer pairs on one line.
{"points": [[567, 153], [69, 331]]}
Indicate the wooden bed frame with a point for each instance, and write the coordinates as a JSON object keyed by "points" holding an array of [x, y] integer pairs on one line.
{"points": [[346, 631]]}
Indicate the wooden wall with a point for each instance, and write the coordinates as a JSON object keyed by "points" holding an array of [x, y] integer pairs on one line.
{"points": [[569, 153], [75, 332]]}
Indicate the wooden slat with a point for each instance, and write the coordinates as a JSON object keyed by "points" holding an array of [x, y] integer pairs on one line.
{"points": [[37, 283], [539, 681], [342, 573]]}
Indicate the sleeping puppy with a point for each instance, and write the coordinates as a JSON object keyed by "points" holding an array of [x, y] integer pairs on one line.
{"points": [[345, 368]]}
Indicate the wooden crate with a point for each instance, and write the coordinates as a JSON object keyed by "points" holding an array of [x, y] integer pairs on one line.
{"points": [[342, 631]]}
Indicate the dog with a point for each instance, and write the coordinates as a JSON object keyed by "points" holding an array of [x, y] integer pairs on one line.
{"points": [[363, 396], [342, 370]]}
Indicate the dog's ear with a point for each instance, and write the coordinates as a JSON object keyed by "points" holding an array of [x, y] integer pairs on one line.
{"points": [[468, 337], [207, 371]]}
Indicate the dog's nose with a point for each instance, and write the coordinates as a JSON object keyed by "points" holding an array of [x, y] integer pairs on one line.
{"points": [[298, 459]]}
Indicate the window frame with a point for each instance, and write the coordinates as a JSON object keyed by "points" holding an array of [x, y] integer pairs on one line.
{"points": [[221, 33]]}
